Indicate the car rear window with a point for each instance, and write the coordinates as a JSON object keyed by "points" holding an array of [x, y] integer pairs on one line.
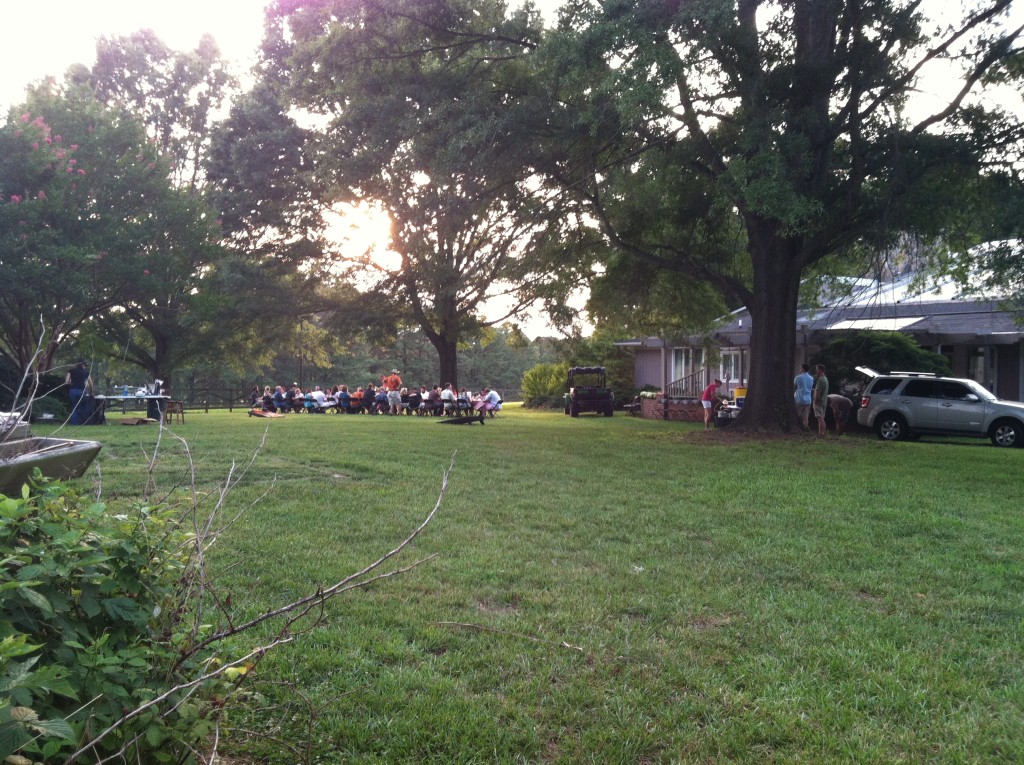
{"points": [[884, 385]]}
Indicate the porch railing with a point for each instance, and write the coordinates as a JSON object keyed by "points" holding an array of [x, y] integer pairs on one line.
{"points": [[690, 386]]}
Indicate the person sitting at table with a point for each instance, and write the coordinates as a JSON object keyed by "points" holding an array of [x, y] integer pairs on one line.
{"points": [[344, 399], [279, 402], [435, 405], [268, 399], [493, 400], [255, 399], [415, 399], [318, 396], [357, 400], [448, 399], [369, 398], [380, 401]]}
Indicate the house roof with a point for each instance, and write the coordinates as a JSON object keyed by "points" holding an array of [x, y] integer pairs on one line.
{"points": [[933, 315]]}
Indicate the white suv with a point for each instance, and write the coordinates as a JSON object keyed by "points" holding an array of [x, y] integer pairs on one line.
{"points": [[909, 404]]}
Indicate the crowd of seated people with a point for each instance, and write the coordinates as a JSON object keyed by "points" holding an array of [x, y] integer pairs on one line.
{"points": [[372, 399]]}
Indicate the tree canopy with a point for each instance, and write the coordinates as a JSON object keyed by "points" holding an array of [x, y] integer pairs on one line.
{"points": [[779, 134], [81, 189], [423, 121]]}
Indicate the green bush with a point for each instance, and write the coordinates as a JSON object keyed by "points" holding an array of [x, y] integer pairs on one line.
{"points": [[882, 351], [544, 385], [50, 405], [92, 626]]}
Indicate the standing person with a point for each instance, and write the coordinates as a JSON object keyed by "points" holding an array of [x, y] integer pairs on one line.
{"points": [[707, 400], [841, 407], [393, 383], [79, 384], [819, 397], [802, 385]]}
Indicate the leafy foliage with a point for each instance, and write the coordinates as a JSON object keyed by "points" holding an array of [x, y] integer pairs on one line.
{"points": [[544, 385], [426, 123], [742, 143], [91, 627], [78, 185], [881, 351]]}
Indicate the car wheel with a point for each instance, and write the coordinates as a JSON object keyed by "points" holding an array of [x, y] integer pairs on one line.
{"points": [[891, 427], [1006, 433]]}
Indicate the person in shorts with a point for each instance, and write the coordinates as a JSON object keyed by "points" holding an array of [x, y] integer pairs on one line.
{"points": [[393, 383], [841, 407], [803, 383], [707, 400]]}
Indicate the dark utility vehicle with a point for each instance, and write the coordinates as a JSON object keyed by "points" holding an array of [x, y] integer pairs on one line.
{"points": [[586, 391]]}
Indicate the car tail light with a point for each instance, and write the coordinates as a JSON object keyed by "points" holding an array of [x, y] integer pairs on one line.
{"points": [[864, 401]]}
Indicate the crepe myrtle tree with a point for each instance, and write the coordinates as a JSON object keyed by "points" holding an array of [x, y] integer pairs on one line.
{"points": [[78, 184]]}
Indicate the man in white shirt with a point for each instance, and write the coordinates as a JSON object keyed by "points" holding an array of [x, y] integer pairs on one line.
{"points": [[448, 398]]}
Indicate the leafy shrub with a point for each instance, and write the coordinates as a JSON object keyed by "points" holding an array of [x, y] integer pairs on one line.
{"points": [[544, 385], [91, 626], [50, 405], [50, 385], [882, 351]]}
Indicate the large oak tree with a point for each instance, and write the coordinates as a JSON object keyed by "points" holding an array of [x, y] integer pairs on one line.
{"points": [[791, 119], [423, 119]]}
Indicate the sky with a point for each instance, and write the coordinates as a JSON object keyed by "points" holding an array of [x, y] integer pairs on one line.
{"points": [[44, 40]]}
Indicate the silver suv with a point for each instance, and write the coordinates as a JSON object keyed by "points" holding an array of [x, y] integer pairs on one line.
{"points": [[909, 404]]}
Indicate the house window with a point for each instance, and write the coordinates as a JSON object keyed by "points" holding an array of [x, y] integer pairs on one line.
{"points": [[686, 361], [731, 366]]}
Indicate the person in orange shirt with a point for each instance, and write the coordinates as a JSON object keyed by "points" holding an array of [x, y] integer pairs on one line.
{"points": [[394, 385]]}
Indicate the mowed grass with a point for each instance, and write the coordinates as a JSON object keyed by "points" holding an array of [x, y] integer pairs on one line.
{"points": [[615, 590]]}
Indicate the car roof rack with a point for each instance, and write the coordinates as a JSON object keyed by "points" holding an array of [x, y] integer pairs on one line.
{"points": [[916, 374]]}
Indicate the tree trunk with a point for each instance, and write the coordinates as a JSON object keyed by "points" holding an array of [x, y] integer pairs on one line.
{"points": [[769, 404], [448, 360]]}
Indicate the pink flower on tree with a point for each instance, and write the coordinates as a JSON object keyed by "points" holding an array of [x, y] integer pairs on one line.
{"points": [[15, 199], [25, 117], [41, 195], [145, 271]]}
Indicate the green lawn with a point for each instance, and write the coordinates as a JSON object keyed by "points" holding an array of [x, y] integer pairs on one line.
{"points": [[617, 590]]}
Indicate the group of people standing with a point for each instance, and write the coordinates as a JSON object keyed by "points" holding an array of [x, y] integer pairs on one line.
{"points": [[812, 393], [390, 397]]}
